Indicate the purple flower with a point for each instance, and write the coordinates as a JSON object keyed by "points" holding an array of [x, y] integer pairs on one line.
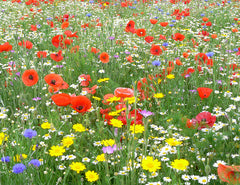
{"points": [[19, 168], [116, 56], [127, 52], [110, 149], [30, 133], [18, 74], [111, 38], [146, 113], [35, 162], [5, 159], [37, 98], [219, 81], [193, 91]]}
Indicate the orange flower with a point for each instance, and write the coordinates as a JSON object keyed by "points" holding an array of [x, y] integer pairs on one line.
{"points": [[204, 92], [205, 19], [106, 97], [90, 90], [185, 55], [64, 25], [81, 104], [214, 36], [104, 57], [229, 174], [94, 50], [141, 32], [234, 30], [70, 34], [30, 77], [61, 99], [54, 80], [178, 62], [33, 28]]}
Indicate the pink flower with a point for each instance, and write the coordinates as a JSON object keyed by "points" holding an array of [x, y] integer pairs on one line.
{"points": [[205, 120]]}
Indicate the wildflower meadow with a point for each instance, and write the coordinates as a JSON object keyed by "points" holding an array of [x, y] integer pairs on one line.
{"points": [[120, 92]]}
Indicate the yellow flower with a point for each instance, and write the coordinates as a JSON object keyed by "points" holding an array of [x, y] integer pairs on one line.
{"points": [[103, 80], [67, 141], [100, 158], [91, 176], [20, 157], [108, 142], [77, 166], [130, 100], [170, 76], [79, 127], [96, 98], [173, 142], [151, 165], [46, 125], [3, 137], [113, 99], [56, 151], [137, 129], [116, 123], [158, 95], [113, 113], [180, 164]]}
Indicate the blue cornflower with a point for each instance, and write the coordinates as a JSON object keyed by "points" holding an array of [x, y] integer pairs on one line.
{"points": [[30, 133], [173, 21], [5, 159], [156, 63], [171, 25], [19, 168], [91, 1], [165, 44], [88, 14], [210, 54], [202, 14], [35, 162], [236, 49]]}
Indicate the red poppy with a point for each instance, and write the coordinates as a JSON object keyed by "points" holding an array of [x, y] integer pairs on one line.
{"points": [[33, 28], [42, 54], [5, 47], [205, 120], [155, 50], [141, 32], [30, 77], [178, 62], [123, 92], [229, 174], [26, 44], [130, 27], [204, 92], [81, 104], [205, 19], [178, 37], [70, 34], [54, 80], [161, 37], [149, 39], [57, 56], [163, 24], [201, 58], [61, 99], [57, 40], [75, 49], [104, 57], [84, 80], [129, 58], [91, 90], [153, 21], [64, 25], [94, 50]]}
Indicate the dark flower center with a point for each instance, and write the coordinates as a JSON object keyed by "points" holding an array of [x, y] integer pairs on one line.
{"points": [[156, 50], [79, 107], [30, 77], [204, 120], [56, 55], [53, 82]]}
